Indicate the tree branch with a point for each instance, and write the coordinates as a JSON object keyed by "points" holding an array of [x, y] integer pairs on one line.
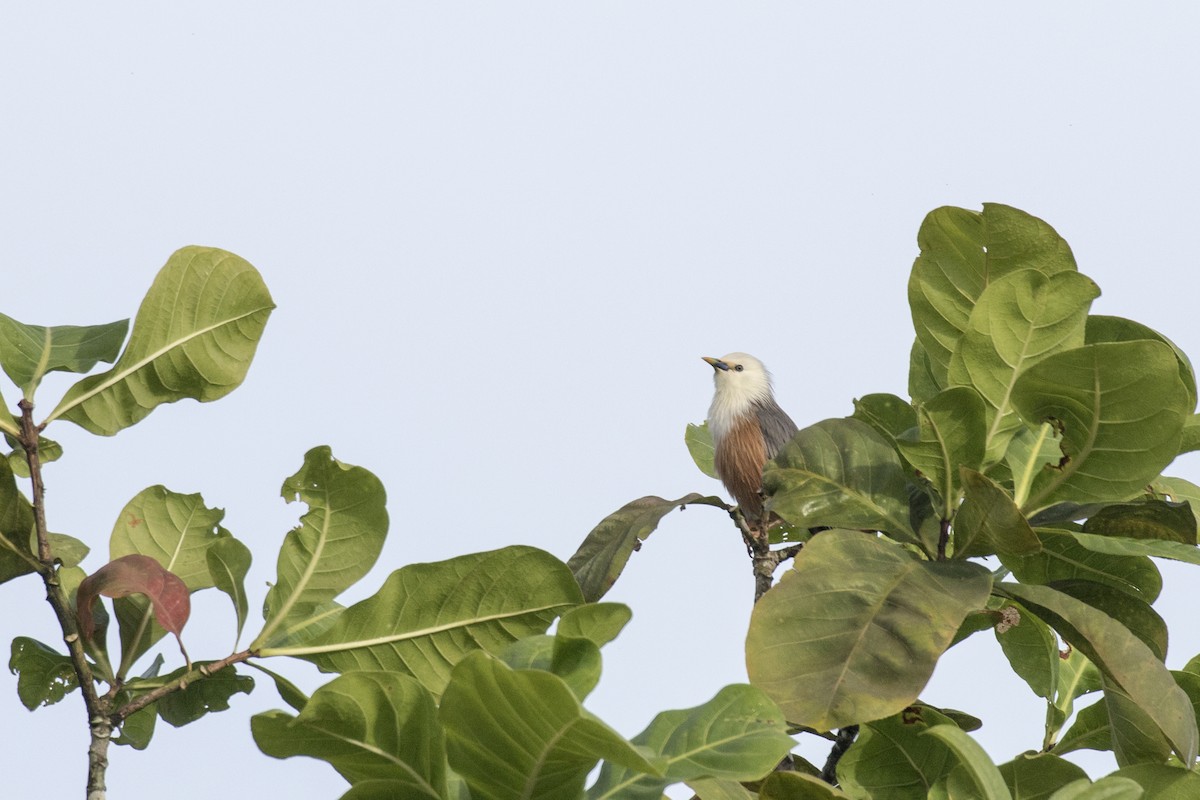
{"points": [[99, 722], [845, 738], [203, 671]]}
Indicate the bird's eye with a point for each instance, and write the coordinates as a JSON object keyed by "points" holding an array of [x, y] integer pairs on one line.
{"points": [[737, 368]]}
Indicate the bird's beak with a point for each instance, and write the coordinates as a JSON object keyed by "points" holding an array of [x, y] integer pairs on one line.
{"points": [[716, 363]]}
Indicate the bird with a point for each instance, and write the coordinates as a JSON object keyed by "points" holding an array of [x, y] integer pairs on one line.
{"points": [[748, 429]]}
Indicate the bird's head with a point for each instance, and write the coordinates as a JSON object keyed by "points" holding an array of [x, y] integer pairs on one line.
{"points": [[740, 379]]}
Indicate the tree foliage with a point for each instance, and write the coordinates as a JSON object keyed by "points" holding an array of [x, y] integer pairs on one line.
{"points": [[1018, 489]]}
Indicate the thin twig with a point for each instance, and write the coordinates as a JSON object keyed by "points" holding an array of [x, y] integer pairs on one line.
{"points": [[203, 671], [97, 710], [943, 539]]}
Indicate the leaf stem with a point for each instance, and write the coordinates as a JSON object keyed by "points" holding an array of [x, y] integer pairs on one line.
{"points": [[99, 722]]}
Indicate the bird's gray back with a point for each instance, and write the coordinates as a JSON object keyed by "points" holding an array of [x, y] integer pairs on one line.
{"points": [[777, 427]]}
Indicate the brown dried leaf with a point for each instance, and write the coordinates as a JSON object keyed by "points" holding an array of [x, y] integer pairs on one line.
{"points": [[136, 574]]}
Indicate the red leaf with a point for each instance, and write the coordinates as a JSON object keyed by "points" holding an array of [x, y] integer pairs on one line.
{"points": [[136, 574]]}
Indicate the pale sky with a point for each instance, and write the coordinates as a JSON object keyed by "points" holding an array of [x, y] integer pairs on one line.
{"points": [[501, 236]]}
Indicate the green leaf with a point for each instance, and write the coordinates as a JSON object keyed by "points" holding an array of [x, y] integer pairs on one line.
{"points": [[1092, 730], [597, 622], [28, 352], [853, 631], [1102, 328], [1065, 557], [228, 562], [714, 789], [604, 552], [1018, 320], [797, 786], [1190, 442], [738, 735], [1146, 519], [1135, 737], [576, 661], [49, 451], [1030, 452], [16, 522], [1031, 649], [538, 744], [194, 337], [137, 729], [288, 691], [922, 382], [337, 542], [949, 436], [1121, 656], [1132, 612], [368, 726], [1076, 677], [962, 253], [988, 521], [1162, 782], [427, 617], [1120, 408], [700, 444], [892, 760], [175, 530], [888, 414], [200, 697], [1178, 490], [839, 473], [1036, 776], [1109, 788], [44, 675], [971, 756]]}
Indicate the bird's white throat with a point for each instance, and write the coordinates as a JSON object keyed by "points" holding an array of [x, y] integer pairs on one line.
{"points": [[734, 398]]}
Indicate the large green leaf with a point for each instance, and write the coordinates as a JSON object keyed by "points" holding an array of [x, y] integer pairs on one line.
{"points": [[537, 744], [175, 530], [1132, 612], [839, 473], [337, 542], [922, 382], [427, 617], [194, 336], [1178, 490], [1030, 451], [1101, 328], [1063, 557], [1018, 320], [892, 760], [988, 521], [28, 352], [962, 253], [853, 631], [604, 552], [1091, 730], [1135, 737], [1121, 656], [368, 726], [1120, 408], [1036, 776], [948, 436], [739, 735], [715, 789], [576, 661]]}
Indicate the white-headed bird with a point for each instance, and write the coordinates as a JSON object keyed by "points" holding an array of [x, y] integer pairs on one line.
{"points": [[748, 428]]}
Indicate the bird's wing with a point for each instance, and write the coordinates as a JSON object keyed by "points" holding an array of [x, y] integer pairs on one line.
{"points": [[777, 427]]}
